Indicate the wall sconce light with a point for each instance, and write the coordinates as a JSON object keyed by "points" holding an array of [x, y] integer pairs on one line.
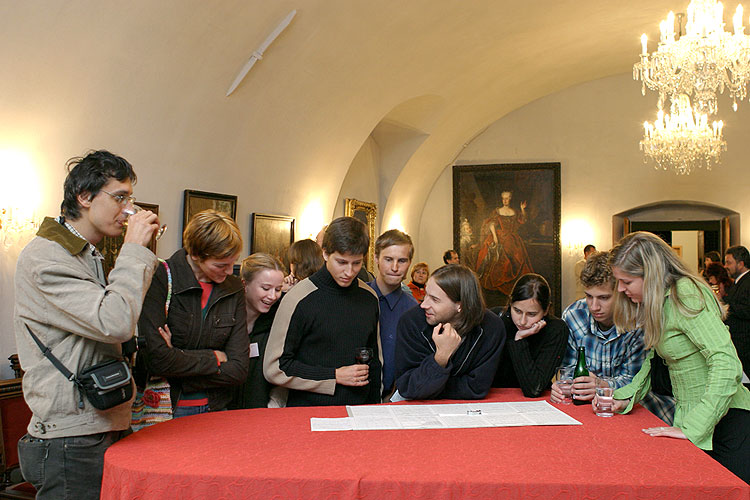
{"points": [[16, 226], [576, 234], [19, 192], [311, 220]]}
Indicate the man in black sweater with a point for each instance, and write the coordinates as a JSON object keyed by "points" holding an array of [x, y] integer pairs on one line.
{"points": [[449, 347], [322, 321]]}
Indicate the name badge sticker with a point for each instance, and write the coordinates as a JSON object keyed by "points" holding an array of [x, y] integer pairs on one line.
{"points": [[254, 352]]}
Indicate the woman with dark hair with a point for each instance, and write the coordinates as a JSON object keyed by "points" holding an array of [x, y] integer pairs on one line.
{"points": [[682, 322], [193, 321], [536, 340], [419, 274], [718, 277], [449, 346], [305, 258], [262, 279]]}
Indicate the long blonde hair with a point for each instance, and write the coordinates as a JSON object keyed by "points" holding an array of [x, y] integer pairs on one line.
{"points": [[645, 255]]}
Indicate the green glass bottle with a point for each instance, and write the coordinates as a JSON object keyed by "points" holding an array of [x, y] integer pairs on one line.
{"points": [[580, 371]]}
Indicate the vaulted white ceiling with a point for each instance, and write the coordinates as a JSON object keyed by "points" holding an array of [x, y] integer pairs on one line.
{"points": [[150, 77]]}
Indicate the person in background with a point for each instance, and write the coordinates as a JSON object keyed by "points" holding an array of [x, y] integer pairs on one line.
{"points": [[737, 260], [63, 296], [450, 257], [718, 277], [321, 234], [712, 257], [305, 258], [419, 274], [449, 346], [201, 346], [262, 279], [393, 252], [320, 324], [609, 352], [681, 321], [535, 340], [587, 250]]}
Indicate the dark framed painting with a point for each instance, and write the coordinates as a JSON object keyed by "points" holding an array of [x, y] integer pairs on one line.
{"points": [[271, 234], [367, 213], [110, 246], [506, 223], [197, 201]]}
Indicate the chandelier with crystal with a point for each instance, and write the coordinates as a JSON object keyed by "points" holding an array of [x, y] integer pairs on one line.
{"points": [[683, 140], [700, 63]]}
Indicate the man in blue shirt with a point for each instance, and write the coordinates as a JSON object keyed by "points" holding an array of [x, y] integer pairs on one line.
{"points": [[608, 353], [393, 252]]}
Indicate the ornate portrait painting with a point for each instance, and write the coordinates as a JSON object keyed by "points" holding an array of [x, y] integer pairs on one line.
{"points": [[506, 223]]}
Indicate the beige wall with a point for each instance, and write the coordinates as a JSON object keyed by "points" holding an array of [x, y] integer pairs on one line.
{"points": [[593, 130]]}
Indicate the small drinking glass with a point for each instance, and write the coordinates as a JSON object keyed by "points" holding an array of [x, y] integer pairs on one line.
{"points": [[134, 209], [363, 355], [565, 383], [605, 387]]}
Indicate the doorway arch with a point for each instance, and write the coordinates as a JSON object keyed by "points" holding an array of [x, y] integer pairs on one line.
{"points": [[674, 215]]}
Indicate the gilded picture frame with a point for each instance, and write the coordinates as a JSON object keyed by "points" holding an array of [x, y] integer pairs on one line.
{"points": [[367, 213]]}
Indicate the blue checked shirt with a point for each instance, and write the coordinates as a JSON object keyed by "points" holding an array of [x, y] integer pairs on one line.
{"points": [[611, 354]]}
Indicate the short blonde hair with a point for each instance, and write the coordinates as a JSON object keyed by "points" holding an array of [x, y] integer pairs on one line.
{"points": [[257, 262], [212, 235]]}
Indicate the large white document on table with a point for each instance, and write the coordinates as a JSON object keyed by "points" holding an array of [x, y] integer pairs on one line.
{"points": [[445, 416]]}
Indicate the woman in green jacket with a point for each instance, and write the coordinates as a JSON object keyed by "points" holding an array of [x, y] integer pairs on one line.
{"points": [[682, 321]]}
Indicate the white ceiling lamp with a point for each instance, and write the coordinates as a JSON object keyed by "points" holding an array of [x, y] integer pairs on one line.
{"points": [[683, 140], [702, 62]]}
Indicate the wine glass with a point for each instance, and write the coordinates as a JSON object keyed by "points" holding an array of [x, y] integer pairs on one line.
{"points": [[134, 209], [363, 355]]}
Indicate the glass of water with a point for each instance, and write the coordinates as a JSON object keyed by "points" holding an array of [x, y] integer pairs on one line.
{"points": [[604, 406], [134, 209], [565, 383]]}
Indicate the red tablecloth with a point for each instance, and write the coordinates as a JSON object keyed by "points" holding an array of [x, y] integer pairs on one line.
{"points": [[272, 454]]}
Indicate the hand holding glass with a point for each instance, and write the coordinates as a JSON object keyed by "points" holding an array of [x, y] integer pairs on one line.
{"points": [[134, 209], [604, 404], [565, 383]]}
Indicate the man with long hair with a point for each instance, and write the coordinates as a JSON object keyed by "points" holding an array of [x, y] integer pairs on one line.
{"points": [[448, 347]]}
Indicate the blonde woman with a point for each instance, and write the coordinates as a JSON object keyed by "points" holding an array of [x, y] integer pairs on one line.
{"points": [[262, 279], [682, 321]]}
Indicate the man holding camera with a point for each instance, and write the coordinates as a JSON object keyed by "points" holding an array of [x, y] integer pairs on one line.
{"points": [[64, 298]]}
